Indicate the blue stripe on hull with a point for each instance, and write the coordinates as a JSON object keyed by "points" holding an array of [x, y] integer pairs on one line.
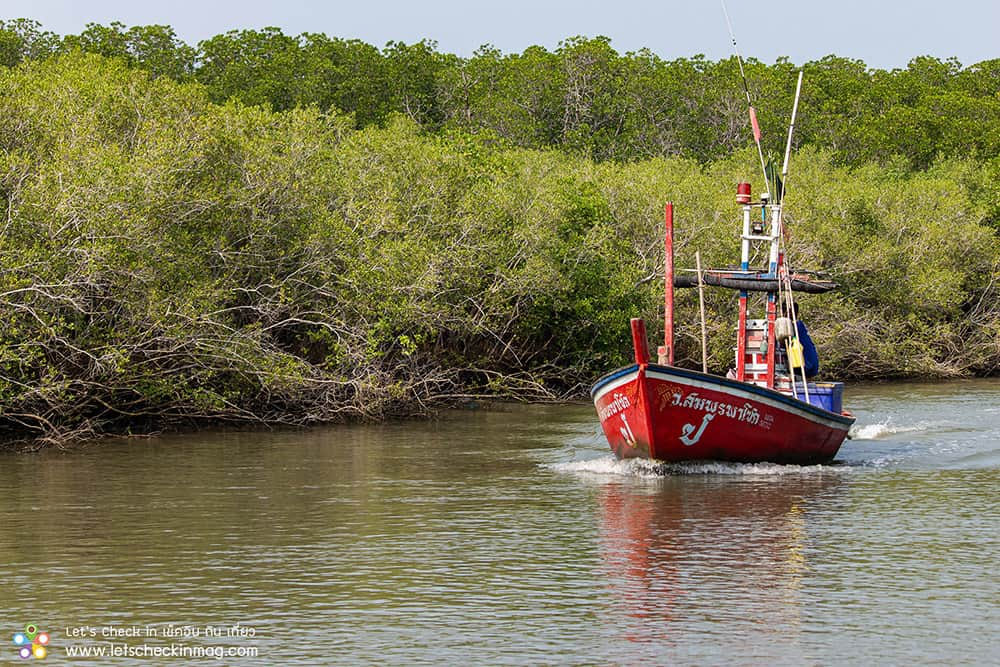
{"points": [[749, 388]]}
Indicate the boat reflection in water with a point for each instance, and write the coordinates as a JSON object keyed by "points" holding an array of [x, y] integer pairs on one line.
{"points": [[713, 556]]}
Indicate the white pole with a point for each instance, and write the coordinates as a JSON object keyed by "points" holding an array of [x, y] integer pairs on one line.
{"points": [[784, 186], [791, 129]]}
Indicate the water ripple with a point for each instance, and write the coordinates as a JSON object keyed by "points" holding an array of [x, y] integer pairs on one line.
{"points": [[514, 537]]}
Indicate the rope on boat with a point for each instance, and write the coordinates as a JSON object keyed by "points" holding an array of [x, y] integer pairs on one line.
{"points": [[790, 309]]}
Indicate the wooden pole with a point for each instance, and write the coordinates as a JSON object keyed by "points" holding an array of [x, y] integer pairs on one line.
{"points": [[701, 305]]}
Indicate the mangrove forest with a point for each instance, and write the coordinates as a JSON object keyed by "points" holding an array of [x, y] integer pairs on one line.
{"points": [[272, 229]]}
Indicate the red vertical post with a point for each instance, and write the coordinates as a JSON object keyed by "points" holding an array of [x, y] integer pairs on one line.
{"points": [[640, 346], [667, 353], [741, 340], [772, 314]]}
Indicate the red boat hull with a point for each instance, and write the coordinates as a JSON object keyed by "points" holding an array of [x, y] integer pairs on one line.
{"points": [[672, 414]]}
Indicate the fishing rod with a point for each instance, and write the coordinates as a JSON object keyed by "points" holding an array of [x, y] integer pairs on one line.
{"points": [[779, 219], [746, 88]]}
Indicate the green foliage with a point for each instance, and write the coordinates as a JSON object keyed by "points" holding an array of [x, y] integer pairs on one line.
{"points": [[256, 67], [584, 97], [154, 48], [23, 39], [917, 264]]}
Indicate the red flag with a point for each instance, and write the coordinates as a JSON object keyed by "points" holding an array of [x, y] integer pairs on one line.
{"points": [[756, 127]]}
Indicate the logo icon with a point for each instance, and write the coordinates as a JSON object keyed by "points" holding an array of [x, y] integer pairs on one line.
{"points": [[32, 642], [688, 429]]}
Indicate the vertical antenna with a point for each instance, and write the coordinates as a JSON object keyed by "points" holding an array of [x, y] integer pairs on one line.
{"points": [[746, 89]]}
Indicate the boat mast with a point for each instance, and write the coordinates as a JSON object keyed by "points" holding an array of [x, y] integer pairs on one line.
{"points": [[665, 353], [783, 270], [777, 258], [755, 340], [776, 266], [743, 197], [748, 236]]}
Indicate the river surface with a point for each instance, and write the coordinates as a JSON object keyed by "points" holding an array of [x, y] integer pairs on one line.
{"points": [[511, 536]]}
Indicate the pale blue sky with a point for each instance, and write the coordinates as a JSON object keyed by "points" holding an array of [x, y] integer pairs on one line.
{"points": [[884, 33]]}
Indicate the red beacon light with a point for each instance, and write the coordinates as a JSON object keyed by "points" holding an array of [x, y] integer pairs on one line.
{"points": [[743, 194]]}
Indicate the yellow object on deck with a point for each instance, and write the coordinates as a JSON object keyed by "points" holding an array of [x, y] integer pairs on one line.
{"points": [[795, 357]]}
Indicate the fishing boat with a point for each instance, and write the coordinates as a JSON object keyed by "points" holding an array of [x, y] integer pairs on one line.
{"points": [[765, 408]]}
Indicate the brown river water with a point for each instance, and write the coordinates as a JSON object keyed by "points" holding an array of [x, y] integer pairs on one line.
{"points": [[511, 537]]}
